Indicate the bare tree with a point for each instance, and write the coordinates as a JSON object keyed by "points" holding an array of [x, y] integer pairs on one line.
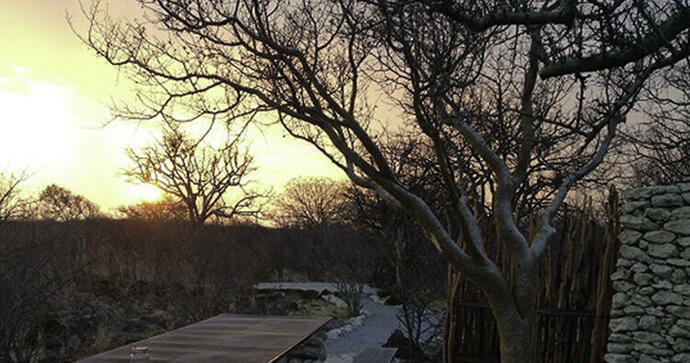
{"points": [[318, 62], [11, 202], [60, 204], [660, 145], [198, 175], [310, 202]]}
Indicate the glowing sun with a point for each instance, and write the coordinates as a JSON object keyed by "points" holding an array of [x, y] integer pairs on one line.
{"points": [[146, 192]]}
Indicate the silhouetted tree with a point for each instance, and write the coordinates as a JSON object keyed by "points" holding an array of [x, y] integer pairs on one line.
{"points": [[660, 145], [310, 202], [165, 209], [60, 204], [198, 175], [11, 202], [315, 65]]}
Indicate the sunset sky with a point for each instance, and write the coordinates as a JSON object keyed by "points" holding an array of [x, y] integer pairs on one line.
{"points": [[54, 94]]}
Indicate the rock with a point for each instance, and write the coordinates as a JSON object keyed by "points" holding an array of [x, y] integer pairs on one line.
{"points": [[678, 262], [685, 254], [682, 212], [616, 313], [679, 311], [632, 253], [680, 226], [642, 278], [618, 358], [681, 345], [641, 300], [678, 277], [638, 267], [659, 236], [622, 262], [620, 338], [661, 270], [619, 300], [633, 310], [682, 289], [658, 214], [646, 359], [685, 241], [662, 285], [647, 337], [637, 193], [646, 290], [683, 323], [654, 311], [651, 349], [661, 189], [629, 236], [638, 223], [666, 298], [678, 331], [619, 348], [663, 251], [650, 323], [650, 309], [667, 200], [620, 275], [622, 285], [623, 324], [631, 207]]}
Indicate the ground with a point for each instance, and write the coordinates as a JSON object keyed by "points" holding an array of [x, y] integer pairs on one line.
{"points": [[347, 337]]}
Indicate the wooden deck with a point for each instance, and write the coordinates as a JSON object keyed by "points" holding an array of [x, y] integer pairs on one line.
{"points": [[224, 338]]}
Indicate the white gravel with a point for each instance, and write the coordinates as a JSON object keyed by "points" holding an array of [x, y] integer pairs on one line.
{"points": [[372, 330]]}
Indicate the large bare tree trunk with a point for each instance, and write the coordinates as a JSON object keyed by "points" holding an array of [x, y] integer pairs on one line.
{"points": [[513, 309], [515, 336]]}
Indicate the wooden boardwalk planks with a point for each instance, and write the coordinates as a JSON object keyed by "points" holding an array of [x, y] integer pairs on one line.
{"points": [[224, 338]]}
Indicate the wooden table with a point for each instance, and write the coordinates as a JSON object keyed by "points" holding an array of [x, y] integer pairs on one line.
{"points": [[224, 338]]}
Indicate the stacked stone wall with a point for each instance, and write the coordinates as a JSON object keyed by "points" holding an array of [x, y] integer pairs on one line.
{"points": [[650, 310]]}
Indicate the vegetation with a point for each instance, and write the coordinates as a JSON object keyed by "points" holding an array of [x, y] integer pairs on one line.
{"points": [[140, 278], [60, 204], [311, 202], [501, 108], [11, 203], [165, 209], [198, 176], [540, 77]]}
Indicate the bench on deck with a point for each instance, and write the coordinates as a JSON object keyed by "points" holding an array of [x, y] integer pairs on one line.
{"points": [[375, 355]]}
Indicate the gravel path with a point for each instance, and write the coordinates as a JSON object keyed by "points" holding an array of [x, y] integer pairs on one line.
{"points": [[371, 329], [378, 324]]}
